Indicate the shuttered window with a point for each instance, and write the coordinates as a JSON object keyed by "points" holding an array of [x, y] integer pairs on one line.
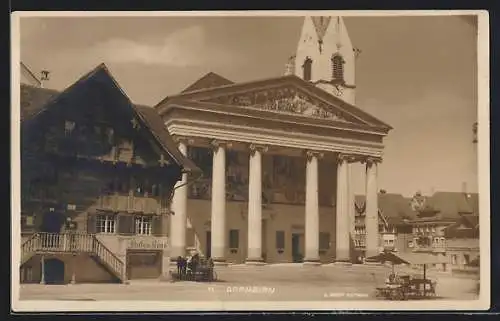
{"points": [[234, 239], [280, 239], [158, 225], [126, 224]]}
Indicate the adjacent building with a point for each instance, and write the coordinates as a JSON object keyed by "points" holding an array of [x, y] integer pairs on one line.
{"points": [[97, 175]]}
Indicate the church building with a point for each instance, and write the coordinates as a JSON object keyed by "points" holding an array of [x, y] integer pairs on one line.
{"points": [[277, 157]]}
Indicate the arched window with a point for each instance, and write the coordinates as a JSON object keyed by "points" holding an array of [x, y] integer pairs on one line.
{"points": [[337, 67], [307, 66]]}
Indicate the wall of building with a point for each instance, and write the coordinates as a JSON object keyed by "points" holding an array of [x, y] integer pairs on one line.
{"points": [[458, 249], [277, 217], [87, 270]]}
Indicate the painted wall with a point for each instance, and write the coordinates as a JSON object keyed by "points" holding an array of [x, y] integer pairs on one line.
{"points": [[278, 217]]}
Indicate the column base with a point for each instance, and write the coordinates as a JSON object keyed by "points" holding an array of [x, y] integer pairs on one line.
{"points": [[342, 262], [255, 261], [219, 262], [311, 262]]}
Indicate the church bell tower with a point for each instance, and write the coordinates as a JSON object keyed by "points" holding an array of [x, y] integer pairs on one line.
{"points": [[325, 57]]}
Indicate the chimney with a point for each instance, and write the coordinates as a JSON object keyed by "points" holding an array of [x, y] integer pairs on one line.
{"points": [[44, 77]]}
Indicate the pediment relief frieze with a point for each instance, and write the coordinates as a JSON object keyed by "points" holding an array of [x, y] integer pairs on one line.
{"points": [[289, 100]]}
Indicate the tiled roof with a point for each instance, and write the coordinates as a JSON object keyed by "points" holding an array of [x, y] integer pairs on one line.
{"points": [[448, 205], [35, 101], [394, 207], [210, 80]]}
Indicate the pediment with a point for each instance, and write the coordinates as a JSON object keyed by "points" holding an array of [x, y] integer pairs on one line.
{"points": [[288, 99]]}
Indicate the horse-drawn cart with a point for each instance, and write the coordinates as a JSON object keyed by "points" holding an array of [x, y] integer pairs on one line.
{"points": [[199, 270], [407, 288]]}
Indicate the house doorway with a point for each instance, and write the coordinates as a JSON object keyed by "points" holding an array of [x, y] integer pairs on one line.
{"points": [[52, 222], [297, 256], [208, 246], [54, 271], [143, 264]]}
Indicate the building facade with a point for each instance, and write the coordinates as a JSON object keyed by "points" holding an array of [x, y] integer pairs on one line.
{"points": [[276, 156], [97, 175]]}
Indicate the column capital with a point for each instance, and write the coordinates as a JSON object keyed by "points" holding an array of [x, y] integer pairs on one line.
{"points": [[183, 139], [346, 158], [256, 147], [371, 160], [313, 153], [216, 143]]}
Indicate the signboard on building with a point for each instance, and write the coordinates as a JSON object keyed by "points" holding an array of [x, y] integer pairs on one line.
{"points": [[148, 243]]}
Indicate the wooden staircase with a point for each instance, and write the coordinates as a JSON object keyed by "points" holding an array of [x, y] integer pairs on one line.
{"points": [[67, 243]]}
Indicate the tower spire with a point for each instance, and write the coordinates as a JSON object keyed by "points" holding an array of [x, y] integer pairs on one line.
{"points": [[325, 56]]}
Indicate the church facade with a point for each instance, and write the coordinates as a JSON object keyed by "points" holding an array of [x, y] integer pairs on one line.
{"points": [[277, 157]]}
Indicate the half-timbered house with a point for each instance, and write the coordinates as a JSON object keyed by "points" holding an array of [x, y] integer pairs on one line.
{"points": [[97, 176]]}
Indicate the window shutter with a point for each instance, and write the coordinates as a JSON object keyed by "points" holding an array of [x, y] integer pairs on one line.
{"points": [[91, 223], [157, 227], [126, 224]]}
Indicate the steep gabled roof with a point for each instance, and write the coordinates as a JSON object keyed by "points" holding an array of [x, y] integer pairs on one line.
{"points": [[35, 101], [27, 71], [210, 80], [236, 88], [394, 208]]}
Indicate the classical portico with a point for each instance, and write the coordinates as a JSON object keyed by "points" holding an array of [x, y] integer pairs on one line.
{"points": [[277, 183], [339, 137]]}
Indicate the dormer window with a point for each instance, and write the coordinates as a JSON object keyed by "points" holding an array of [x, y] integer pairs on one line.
{"points": [[337, 67], [307, 66]]}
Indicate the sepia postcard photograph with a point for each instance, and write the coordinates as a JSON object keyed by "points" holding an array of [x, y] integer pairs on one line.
{"points": [[250, 161]]}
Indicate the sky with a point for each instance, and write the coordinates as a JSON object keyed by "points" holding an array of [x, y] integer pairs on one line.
{"points": [[418, 74]]}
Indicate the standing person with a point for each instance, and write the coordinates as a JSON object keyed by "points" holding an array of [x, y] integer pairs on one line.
{"points": [[183, 267], [179, 267]]}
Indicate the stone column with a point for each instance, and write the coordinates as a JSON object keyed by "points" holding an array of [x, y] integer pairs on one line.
{"points": [[178, 221], [352, 211], [342, 212], [254, 254], [312, 208], [371, 218], [218, 221]]}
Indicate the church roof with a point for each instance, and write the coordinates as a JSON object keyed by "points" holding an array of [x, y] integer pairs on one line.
{"points": [[35, 101], [210, 80], [232, 88]]}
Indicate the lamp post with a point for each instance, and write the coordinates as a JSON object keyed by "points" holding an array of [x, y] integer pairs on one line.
{"points": [[71, 228]]}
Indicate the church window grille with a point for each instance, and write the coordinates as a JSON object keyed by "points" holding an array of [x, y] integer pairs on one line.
{"points": [[337, 67]]}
